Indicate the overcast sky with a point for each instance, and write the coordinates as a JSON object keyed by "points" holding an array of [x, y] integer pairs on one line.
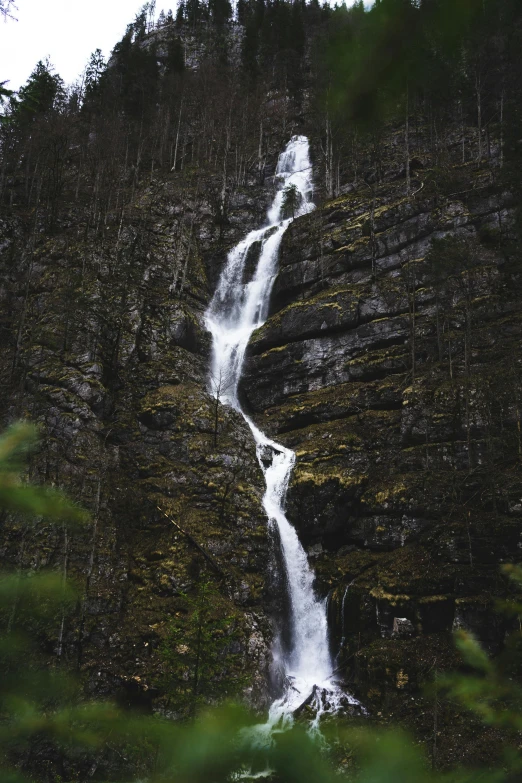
{"points": [[65, 30]]}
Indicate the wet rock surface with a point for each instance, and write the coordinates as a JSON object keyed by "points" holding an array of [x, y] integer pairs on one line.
{"points": [[393, 374]]}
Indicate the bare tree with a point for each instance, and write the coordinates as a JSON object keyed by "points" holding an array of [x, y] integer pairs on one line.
{"points": [[6, 8], [221, 383]]}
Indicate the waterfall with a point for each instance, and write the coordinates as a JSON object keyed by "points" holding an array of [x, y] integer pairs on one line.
{"points": [[238, 307]]}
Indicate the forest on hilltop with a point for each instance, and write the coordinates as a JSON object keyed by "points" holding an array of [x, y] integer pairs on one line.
{"points": [[436, 67]]}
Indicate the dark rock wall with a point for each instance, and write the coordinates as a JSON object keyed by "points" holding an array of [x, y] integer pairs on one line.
{"points": [[394, 373], [391, 365], [105, 348]]}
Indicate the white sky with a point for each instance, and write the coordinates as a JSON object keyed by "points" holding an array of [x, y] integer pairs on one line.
{"points": [[65, 30]]}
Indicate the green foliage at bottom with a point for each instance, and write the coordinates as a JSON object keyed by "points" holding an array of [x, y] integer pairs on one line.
{"points": [[196, 648]]}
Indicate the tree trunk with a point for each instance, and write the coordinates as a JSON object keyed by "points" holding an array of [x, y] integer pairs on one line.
{"points": [[463, 134], [372, 234], [260, 158], [407, 143], [439, 338], [177, 139], [502, 129], [88, 577], [59, 646], [478, 90], [195, 682]]}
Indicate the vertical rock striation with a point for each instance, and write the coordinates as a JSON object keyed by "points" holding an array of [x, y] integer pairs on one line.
{"points": [[106, 350]]}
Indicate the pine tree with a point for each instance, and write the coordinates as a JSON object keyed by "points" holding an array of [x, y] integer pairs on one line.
{"points": [[220, 11], [137, 75], [140, 23], [291, 201], [195, 647], [180, 14], [5, 92], [193, 12], [175, 61], [242, 12], [250, 49], [42, 92], [93, 73]]}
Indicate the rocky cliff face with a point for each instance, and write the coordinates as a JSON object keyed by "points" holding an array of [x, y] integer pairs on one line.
{"points": [[391, 365], [106, 349]]}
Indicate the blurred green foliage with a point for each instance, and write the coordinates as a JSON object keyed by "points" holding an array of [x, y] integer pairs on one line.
{"points": [[195, 647], [19, 496], [491, 688], [394, 50]]}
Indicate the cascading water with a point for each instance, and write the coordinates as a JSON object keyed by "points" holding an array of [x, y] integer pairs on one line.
{"points": [[237, 308]]}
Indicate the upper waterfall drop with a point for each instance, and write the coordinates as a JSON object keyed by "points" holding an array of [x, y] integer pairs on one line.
{"points": [[237, 308]]}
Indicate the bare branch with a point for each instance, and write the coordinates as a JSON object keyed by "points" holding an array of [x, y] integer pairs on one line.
{"points": [[6, 8]]}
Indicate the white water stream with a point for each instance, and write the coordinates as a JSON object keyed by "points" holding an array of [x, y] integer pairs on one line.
{"points": [[238, 307]]}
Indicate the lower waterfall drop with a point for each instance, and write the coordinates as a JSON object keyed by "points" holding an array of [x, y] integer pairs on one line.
{"points": [[236, 310]]}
